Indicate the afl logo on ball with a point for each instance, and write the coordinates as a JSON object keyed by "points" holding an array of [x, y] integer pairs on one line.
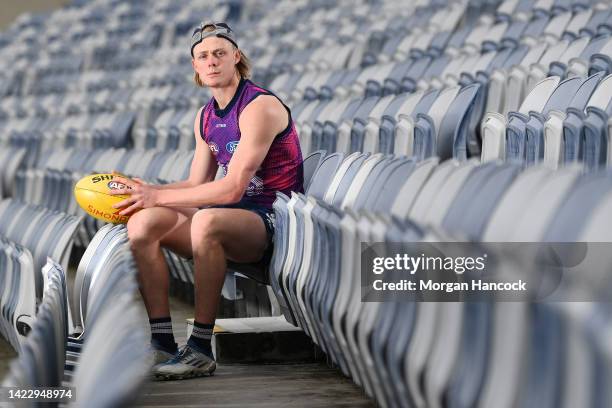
{"points": [[213, 148], [115, 185], [231, 146]]}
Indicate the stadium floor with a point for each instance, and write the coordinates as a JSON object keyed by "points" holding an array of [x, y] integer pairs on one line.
{"points": [[278, 385], [302, 385]]}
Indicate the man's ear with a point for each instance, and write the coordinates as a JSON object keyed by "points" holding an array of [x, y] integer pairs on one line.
{"points": [[237, 55]]}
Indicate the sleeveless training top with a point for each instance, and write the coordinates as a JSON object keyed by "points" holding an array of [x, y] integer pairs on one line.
{"points": [[281, 169]]}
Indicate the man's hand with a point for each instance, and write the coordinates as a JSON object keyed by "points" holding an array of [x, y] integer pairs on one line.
{"points": [[141, 195]]}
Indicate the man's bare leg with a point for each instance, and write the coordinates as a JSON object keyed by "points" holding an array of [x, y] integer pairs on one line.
{"points": [[148, 229], [218, 234]]}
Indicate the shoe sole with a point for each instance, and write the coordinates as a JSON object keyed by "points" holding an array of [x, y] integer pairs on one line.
{"points": [[171, 377], [191, 374]]}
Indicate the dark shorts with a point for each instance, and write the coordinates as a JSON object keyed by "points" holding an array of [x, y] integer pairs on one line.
{"points": [[268, 218]]}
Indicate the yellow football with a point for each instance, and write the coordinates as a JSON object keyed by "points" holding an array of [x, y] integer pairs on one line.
{"points": [[92, 194]]}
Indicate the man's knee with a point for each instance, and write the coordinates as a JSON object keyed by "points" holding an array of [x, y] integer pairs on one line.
{"points": [[206, 228], [142, 227]]}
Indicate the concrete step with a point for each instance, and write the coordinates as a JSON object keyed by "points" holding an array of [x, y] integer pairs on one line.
{"points": [[261, 340]]}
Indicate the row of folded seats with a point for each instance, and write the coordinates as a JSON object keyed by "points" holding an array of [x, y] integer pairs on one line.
{"points": [[50, 183], [481, 52], [475, 353], [85, 131], [506, 70], [93, 96], [159, 118], [436, 53], [128, 89], [30, 236], [78, 353], [44, 233], [105, 31], [559, 122], [99, 104], [581, 136]]}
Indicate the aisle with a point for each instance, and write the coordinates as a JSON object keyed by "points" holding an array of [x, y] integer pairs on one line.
{"points": [[295, 385]]}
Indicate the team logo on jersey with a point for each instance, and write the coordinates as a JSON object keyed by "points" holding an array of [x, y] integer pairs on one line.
{"points": [[255, 186], [213, 148], [221, 125], [231, 146]]}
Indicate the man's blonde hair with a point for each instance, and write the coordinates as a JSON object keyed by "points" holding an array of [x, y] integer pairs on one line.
{"points": [[243, 66]]}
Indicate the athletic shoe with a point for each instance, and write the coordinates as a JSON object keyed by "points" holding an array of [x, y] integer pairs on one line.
{"points": [[160, 356], [188, 362]]}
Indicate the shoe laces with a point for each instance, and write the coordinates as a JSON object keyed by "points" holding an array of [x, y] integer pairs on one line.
{"points": [[179, 356]]}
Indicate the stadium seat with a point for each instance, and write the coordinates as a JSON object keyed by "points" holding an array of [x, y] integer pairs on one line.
{"points": [[573, 126], [403, 137], [41, 359], [17, 293], [494, 124], [553, 146], [102, 355]]}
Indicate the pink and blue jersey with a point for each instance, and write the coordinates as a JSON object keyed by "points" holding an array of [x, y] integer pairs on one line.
{"points": [[282, 168]]}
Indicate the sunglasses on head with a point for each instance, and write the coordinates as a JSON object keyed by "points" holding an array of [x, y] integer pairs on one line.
{"points": [[212, 27], [205, 30]]}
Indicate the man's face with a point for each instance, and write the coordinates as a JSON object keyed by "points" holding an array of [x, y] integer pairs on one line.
{"points": [[215, 59]]}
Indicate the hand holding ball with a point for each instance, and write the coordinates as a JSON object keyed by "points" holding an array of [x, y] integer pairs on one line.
{"points": [[93, 193]]}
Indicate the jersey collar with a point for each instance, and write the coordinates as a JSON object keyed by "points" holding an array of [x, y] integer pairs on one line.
{"points": [[222, 112]]}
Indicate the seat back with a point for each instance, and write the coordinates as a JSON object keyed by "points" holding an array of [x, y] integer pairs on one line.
{"points": [[411, 188], [603, 94], [537, 98], [343, 183], [563, 94], [479, 196], [41, 359], [323, 175], [311, 163], [585, 91], [398, 174], [452, 136]]}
